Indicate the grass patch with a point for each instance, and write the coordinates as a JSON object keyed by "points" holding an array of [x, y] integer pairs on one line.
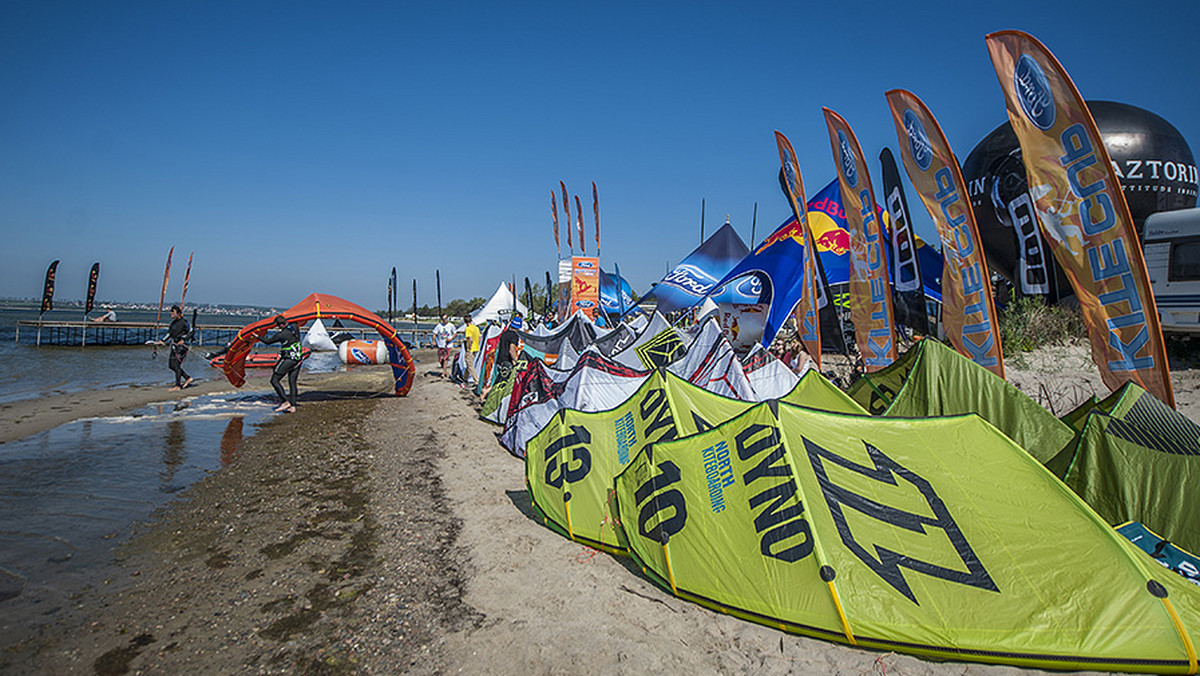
{"points": [[1029, 323]]}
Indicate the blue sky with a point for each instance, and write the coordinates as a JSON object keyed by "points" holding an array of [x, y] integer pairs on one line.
{"points": [[300, 146]]}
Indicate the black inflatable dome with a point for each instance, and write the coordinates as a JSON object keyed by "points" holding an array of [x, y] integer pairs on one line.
{"points": [[1153, 161]]}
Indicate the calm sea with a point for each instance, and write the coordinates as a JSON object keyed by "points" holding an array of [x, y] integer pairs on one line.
{"points": [[69, 495]]}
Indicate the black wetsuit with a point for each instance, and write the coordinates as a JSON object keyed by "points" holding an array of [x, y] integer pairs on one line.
{"points": [[290, 356], [177, 334]]}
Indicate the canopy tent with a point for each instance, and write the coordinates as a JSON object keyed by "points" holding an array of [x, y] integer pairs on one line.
{"points": [[900, 535], [696, 276], [500, 306], [318, 306], [571, 463], [1137, 459], [778, 263], [931, 380]]}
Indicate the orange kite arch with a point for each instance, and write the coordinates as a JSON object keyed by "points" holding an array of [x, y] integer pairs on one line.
{"points": [[322, 306]]}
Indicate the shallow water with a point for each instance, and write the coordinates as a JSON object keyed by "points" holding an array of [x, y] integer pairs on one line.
{"points": [[69, 495], [28, 371]]}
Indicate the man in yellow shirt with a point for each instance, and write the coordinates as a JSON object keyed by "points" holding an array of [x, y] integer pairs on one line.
{"points": [[471, 336]]}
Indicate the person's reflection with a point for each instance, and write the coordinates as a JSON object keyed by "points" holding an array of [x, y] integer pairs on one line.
{"points": [[173, 455], [231, 440]]}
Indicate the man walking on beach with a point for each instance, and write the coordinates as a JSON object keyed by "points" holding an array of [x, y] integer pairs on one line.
{"points": [[443, 338], [291, 353], [471, 338], [177, 334]]}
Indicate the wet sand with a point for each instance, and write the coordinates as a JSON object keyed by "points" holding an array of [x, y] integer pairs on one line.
{"points": [[394, 535]]}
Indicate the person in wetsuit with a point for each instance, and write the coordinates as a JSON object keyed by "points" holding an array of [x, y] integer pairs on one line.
{"points": [[177, 335], [290, 355]]}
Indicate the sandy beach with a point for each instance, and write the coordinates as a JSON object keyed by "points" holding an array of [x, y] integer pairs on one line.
{"points": [[394, 535]]}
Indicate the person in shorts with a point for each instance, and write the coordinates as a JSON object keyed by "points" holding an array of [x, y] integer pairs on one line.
{"points": [[443, 338], [472, 337]]}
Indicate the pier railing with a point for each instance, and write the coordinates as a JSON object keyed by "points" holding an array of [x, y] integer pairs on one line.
{"points": [[84, 333]]}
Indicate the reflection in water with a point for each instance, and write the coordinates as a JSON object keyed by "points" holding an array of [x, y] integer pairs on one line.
{"points": [[174, 453], [231, 440]]}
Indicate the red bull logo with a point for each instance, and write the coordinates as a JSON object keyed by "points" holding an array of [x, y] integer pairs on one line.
{"points": [[835, 240], [789, 231]]}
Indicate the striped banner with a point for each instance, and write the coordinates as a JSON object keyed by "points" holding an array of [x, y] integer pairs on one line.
{"points": [[968, 312], [870, 292], [1083, 214]]}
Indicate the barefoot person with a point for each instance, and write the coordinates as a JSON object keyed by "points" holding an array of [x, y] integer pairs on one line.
{"points": [[290, 355], [177, 334]]}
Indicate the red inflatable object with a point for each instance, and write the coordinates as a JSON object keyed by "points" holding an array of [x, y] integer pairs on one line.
{"points": [[257, 360]]}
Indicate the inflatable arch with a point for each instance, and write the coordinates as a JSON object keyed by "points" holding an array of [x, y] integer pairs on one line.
{"points": [[321, 306]]}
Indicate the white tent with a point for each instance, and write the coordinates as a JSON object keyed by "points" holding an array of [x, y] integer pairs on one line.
{"points": [[499, 307]]}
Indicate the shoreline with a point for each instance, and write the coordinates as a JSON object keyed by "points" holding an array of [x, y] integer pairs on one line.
{"points": [[395, 535]]}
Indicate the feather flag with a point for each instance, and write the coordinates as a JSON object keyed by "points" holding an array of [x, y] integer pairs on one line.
{"points": [[968, 312], [395, 291], [162, 296], [187, 276], [808, 321], [1083, 213], [579, 221], [907, 283], [93, 278], [48, 289], [389, 294], [596, 213], [870, 293], [567, 216], [438, 277], [554, 213], [549, 293]]}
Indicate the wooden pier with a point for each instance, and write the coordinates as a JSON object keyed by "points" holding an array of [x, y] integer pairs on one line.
{"points": [[84, 333]]}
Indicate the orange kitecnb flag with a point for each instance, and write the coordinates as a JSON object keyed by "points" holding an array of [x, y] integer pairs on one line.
{"points": [[1083, 213], [968, 310], [808, 320], [870, 291]]}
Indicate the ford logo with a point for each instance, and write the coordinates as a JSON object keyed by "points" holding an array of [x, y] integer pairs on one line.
{"points": [[690, 279], [789, 170], [751, 287], [849, 168], [1033, 91], [359, 355], [586, 304], [918, 140], [584, 264]]}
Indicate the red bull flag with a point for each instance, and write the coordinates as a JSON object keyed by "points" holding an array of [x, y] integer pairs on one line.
{"points": [[968, 312], [808, 322], [1083, 213], [870, 293]]}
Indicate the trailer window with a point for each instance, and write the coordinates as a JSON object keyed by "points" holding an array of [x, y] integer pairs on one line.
{"points": [[1185, 261]]}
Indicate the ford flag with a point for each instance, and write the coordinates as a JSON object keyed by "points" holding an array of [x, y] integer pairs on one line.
{"points": [[697, 275]]}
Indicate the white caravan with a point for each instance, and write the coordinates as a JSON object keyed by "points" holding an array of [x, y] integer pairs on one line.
{"points": [[1172, 249]]}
